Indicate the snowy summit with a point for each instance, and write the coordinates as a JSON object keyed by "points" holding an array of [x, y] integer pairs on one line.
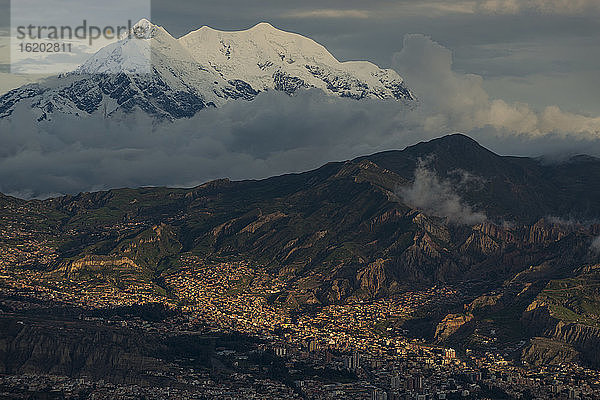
{"points": [[175, 78]]}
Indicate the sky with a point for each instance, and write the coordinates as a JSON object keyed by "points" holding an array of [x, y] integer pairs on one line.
{"points": [[543, 52], [519, 76]]}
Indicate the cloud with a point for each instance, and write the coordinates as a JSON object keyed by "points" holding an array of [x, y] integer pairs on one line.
{"points": [[435, 196], [502, 7], [452, 100], [467, 180], [569, 222], [329, 13], [442, 8], [271, 135], [9, 81], [277, 133], [385, 11], [563, 7]]}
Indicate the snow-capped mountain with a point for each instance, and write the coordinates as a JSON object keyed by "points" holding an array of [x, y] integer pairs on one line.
{"points": [[175, 78]]}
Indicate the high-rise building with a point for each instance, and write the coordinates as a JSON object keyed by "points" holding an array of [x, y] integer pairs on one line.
{"points": [[378, 394], [352, 362]]}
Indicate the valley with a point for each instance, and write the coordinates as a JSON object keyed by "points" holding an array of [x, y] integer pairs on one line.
{"points": [[331, 282]]}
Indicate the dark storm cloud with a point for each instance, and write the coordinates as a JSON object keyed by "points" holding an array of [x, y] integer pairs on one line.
{"points": [[4, 14]]}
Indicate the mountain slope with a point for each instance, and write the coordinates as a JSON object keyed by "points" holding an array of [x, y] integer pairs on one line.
{"points": [[268, 58], [175, 78], [346, 232], [506, 188], [344, 215]]}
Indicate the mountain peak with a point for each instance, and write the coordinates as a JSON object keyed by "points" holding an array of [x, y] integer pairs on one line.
{"points": [[144, 23], [265, 26], [456, 144], [457, 138], [270, 58], [453, 139], [144, 29], [261, 26], [174, 78]]}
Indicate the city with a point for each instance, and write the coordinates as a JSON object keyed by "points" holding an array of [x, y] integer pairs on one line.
{"points": [[356, 350]]}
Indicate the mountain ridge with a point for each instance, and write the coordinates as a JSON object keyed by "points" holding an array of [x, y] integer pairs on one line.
{"points": [[345, 232], [451, 155], [171, 78]]}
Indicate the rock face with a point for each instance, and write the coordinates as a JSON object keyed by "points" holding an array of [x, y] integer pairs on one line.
{"points": [[544, 351], [170, 78], [565, 342], [451, 324], [559, 319], [90, 264], [372, 279], [584, 338]]}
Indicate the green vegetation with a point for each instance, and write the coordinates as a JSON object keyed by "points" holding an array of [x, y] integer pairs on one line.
{"points": [[574, 299]]}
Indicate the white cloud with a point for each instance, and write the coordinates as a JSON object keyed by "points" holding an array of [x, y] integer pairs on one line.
{"points": [[452, 100], [12, 81], [277, 133], [564, 7], [441, 8], [329, 13], [435, 196]]}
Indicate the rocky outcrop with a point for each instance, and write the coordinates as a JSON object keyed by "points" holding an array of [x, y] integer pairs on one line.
{"points": [[261, 221], [372, 279], [479, 243], [545, 351], [433, 226], [540, 321], [78, 349], [450, 325], [93, 263], [586, 339], [483, 303], [543, 232], [496, 232]]}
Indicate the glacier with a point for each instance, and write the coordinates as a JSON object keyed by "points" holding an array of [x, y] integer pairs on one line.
{"points": [[172, 78]]}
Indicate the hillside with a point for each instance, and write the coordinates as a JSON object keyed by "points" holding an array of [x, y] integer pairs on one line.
{"points": [[506, 231]]}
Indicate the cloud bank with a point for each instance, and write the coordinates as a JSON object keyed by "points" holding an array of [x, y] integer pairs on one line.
{"points": [[438, 8], [459, 101], [277, 133], [563, 7]]}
